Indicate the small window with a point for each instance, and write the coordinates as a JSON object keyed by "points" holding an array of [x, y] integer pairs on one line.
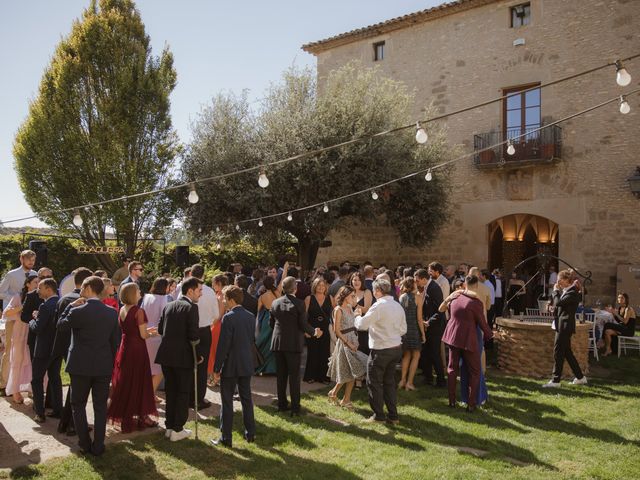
{"points": [[520, 15], [378, 51]]}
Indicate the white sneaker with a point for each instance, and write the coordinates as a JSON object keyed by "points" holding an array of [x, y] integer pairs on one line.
{"points": [[184, 433], [579, 381], [168, 433], [551, 384]]}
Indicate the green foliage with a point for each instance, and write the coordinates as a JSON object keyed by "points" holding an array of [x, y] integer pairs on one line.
{"points": [[100, 128], [294, 118]]}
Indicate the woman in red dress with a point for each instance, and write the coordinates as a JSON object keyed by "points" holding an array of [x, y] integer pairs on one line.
{"points": [[132, 398]]}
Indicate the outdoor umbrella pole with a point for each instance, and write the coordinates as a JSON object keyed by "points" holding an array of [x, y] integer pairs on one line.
{"points": [[195, 382]]}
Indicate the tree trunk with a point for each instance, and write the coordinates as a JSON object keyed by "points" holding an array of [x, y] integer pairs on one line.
{"points": [[307, 253]]}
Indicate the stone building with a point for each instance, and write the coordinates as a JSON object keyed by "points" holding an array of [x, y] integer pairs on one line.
{"points": [[565, 191]]}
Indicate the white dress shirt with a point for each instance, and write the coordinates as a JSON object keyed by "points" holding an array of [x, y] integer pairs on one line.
{"points": [[207, 307], [386, 323], [13, 282], [492, 291], [444, 285], [498, 288]]}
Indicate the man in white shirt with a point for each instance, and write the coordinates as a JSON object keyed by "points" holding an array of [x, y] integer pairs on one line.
{"points": [[386, 323], [207, 312], [435, 272], [11, 285], [499, 296]]}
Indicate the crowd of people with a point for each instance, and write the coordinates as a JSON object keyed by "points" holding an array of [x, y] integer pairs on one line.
{"points": [[357, 324]]}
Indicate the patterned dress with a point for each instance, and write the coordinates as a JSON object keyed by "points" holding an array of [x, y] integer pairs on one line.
{"points": [[410, 340], [346, 365]]}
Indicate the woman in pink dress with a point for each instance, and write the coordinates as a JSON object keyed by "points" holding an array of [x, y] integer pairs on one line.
{"points": [[19, 359], [132, 398], [153, 303]]}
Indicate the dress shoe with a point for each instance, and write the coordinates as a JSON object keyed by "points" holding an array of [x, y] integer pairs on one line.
{"points": [[471, 409], [182, 434], [374, 419], [39, 419], [54, 415], [295, 413], [167, 433], [284, 409], [217, 442], [250, 438], [393, 421]]}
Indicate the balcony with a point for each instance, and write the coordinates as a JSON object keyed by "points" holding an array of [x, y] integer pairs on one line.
{"points": [[537, 147]]}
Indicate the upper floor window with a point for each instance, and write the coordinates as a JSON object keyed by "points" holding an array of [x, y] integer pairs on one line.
{"points": [[378, 51], [520, 15]]}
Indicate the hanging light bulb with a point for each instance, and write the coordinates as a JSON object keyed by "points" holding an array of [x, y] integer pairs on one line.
{"points": [[421, 134], [237, 227], [260, 223], [374, 194], [217, 229], [77, 219], [193, 195], [325, 209], [200, 230], [624, 105], [429, 176], [510, 148], [622, 76], [263, 181], [218, 246], [289, 217]]}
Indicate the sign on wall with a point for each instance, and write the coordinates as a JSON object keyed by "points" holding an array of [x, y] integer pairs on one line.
{"points": [[89, 250]]}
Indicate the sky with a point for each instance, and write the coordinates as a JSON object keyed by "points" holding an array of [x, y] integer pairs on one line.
{"points": [[218, 46]]}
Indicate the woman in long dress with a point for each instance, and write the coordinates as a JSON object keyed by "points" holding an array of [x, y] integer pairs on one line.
{"points": [[132, 398], [318, 306], [347, 363], [19, 379], [153, 303], [264, 332], [218, 283]]}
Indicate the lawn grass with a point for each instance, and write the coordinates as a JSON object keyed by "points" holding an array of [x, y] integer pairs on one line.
{"points": [[523, 432]]}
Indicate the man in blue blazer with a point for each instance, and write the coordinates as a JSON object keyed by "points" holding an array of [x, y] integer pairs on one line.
{"points": [[234, 364], [43, 326], [94, 341]]}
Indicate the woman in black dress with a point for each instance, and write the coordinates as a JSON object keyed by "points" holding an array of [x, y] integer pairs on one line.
{"points": [[318, 306], [365, 299]]}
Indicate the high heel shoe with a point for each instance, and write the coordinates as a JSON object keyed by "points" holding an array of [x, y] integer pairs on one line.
{"points": [[333, 399], [347, 405], [410, 387]]}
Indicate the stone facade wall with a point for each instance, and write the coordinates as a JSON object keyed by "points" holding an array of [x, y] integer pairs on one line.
{"points": [[468, 57], [527, 349]]}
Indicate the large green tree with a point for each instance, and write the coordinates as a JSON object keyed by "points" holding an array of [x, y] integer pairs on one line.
{"points": [[100, 128], [294, 118]]}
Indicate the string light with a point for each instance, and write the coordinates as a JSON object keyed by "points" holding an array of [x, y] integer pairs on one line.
{"points": [[77, 219], [510, 148], [237, 227], [429, 176], [217, 229], [260, 223], [622, 76], [218, 246], [421, 134], [374, 194], [263, 181], [290, 217], [624, 105], [193, 195], [200, 230], [325, 209]]}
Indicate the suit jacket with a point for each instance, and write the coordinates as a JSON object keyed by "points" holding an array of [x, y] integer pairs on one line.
{"points": [[94, 340], [44, 327], [63, 338], [250, 303], [234, 354], [564, 313], [432, 299], [289, 323], [32, 302], [178, 327], [467, 314]]}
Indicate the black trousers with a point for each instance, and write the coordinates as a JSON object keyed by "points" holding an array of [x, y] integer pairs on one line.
{"points": [[288, 368], [40, 367], [66, 416], [55, 384], [381, 381], [227, 389], [203, 349], [562, 351], [177, 384], [81, 385], [431, 357]]}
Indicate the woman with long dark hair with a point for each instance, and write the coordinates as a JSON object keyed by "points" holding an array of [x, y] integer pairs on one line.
{"points": [[264, 332], [625, 324], [318, 306]]}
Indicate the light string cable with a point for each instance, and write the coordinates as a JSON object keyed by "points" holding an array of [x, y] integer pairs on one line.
{"points": [[310, 153], [431, 168]]}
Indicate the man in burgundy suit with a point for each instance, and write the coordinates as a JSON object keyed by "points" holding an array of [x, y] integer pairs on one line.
{"points": [[467, 313]]}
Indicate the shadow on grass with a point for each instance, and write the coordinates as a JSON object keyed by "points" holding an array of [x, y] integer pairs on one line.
{"points": [[527, 387]]}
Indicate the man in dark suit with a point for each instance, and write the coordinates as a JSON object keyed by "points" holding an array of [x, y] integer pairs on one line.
{"points": [[566, 298], [44, 328], [234, 365], [179, 329], [467, 313], [61, 350], [434, 322], [289, 323], [249, 302], [94, 341]]}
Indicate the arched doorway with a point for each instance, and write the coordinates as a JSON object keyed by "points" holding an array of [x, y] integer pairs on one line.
{"points": [[513, 238]]}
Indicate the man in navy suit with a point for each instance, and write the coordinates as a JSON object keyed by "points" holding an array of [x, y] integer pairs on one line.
{"points": [[434, 322], [234, 365], [43, 327], [94, 341]]}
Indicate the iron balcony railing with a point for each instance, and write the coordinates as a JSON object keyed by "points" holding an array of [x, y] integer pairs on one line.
{"points": [[541, 145]]}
